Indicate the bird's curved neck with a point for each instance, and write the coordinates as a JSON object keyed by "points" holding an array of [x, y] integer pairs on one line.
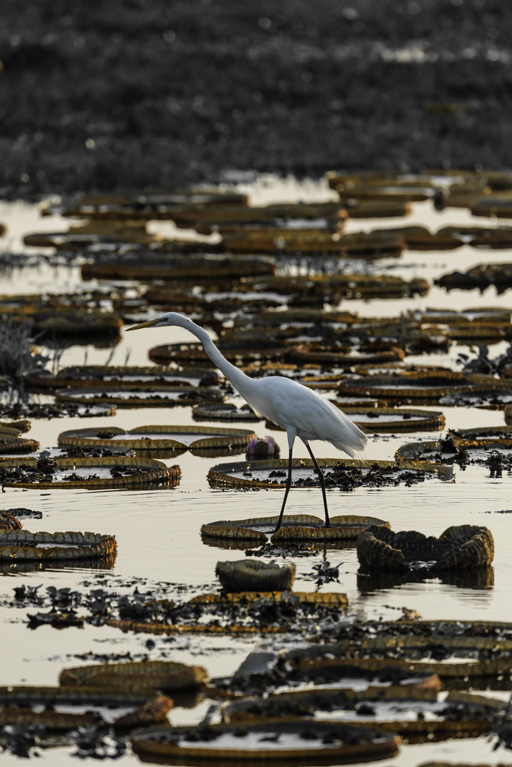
{"points": [[239, 380]]}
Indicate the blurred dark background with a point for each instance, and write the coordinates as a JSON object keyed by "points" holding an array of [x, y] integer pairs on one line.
{"points": [[123, 95]]}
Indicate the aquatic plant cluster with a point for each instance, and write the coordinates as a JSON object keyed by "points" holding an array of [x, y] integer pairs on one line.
{"points": [[283, 286]]}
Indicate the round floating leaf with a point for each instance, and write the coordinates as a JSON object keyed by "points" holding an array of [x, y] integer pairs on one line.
{"points": [[386, 707], [136, 676], [24, 546], [92, 473], [152, 396], [254, 575], [275, 741], [160, 437], [272, 474]]}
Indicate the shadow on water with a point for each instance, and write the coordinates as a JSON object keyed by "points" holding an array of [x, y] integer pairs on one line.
{"points": [[18, 568], [369, 581]]}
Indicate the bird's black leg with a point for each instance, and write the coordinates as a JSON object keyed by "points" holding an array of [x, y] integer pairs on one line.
{"points": [[322, 483], [288, 485]]}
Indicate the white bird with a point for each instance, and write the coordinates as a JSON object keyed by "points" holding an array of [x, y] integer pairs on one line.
{"points": [[300, 411]]}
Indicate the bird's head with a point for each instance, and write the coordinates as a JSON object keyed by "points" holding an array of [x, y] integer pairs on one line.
{"points": [[167, 320]]}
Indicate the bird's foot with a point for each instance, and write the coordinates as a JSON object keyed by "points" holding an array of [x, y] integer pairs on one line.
{"points": [[327, 524]]}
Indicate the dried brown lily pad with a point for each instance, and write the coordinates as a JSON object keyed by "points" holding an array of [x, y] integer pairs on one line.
{"points": [[128, 376], [223, 411], [70, 473], [384, 419], [24, 546], [207, 267], [458, 547], [423, 386], [266, 741], [453, 649], [159, 437], [152, 396], [254, 575], [10, 444], [136, 676], [360, 245], [147, 206], [8, 521]]}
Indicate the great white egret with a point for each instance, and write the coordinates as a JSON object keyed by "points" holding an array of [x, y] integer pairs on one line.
{"points": [[300, 411]]}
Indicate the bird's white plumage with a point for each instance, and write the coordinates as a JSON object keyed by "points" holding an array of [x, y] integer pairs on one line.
{"points": [[291, 404], [301, 411]]}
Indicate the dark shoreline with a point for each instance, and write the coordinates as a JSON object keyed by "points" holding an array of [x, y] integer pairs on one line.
{"points": [[144, 94]]}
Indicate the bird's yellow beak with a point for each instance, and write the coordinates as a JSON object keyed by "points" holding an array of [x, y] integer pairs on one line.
{"points": [[148, 324]]}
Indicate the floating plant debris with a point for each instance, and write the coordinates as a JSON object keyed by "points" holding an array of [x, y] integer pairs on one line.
{"points": [[479, 277], [56, 410], [495, 452]]}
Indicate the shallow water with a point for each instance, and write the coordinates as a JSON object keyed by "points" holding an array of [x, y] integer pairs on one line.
{"points": [[157, 530]]}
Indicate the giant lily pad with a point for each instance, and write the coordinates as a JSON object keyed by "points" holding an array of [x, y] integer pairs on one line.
{"points": [[421, 387], [152, 396], [385, 419], [206, 267], [129, 377], [295, 528], [266, 741], [346, 474], [92, 473], [147, 206], [224, 411], [403, 710], [24, 546], [159, 437], [453, 649], [63, 707]]}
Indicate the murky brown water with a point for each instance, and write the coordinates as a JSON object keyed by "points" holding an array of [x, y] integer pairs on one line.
{"points": [[158, 530]]}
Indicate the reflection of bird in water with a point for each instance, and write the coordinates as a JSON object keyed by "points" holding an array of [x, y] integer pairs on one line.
{"points": [[300, 411]]}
